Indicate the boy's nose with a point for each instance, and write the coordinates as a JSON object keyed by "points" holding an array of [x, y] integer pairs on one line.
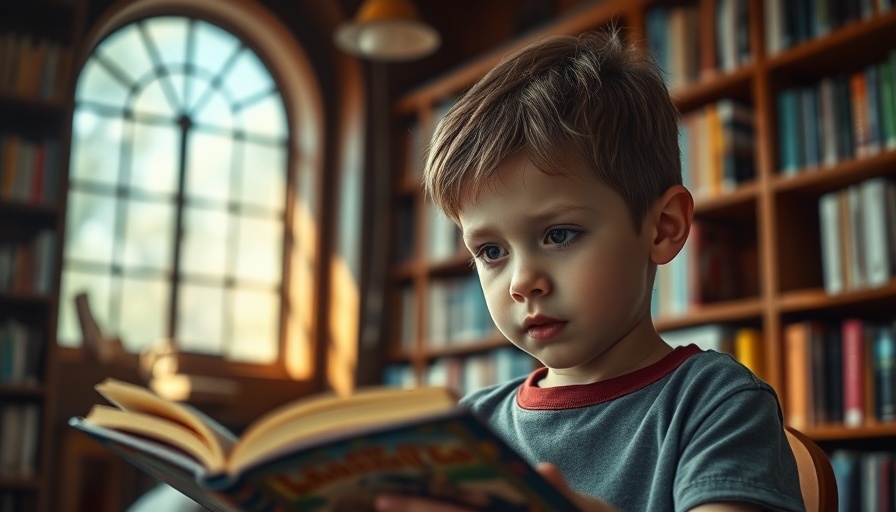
{"points": [[527, 282]]}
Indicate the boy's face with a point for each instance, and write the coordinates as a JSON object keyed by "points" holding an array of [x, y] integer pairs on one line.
{"points": [[565, 275]]}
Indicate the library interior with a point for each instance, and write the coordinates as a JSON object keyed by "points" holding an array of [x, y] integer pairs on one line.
{"points": [[221, 201]]}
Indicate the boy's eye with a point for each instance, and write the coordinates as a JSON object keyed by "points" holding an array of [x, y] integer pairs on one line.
{"points": [[491, 252], [561, 235]]}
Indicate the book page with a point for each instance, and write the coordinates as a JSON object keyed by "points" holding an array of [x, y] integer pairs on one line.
{"points": [[133, 398], [323, 415]]}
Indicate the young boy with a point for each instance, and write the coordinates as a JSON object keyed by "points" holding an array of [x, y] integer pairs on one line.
{"points": [[561, 167]]}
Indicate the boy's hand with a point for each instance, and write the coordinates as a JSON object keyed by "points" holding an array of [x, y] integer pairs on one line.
{"points": [[398, 503]]}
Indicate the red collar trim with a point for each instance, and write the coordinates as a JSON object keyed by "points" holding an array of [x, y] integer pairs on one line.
{"points": [[530, 396]]}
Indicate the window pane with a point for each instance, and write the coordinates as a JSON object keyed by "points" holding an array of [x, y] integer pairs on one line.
{"points": [[205, 242], [155, 157], [209, 160], [152, 100], [215, 113], [263, 176], [126, 50], [97, 288], [97, 85], [96, 146], [254, 319], [169, 34], [200, 318], [247, 78], [213, 47], [260, 250], [90, 227], [144, 312], [265, 117], [148, 236]]}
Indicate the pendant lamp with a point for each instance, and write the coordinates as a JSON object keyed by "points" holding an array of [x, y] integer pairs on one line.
{"points": [[387, 30]]}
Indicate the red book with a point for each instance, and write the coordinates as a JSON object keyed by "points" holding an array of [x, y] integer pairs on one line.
{"points": [[853, 372], [37, 183]]}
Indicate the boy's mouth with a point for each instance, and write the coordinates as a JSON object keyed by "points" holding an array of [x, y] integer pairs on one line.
{"points": [[541, 328]]}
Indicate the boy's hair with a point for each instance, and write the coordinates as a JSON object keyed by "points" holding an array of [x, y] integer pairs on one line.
{"points": [[588, 98]]}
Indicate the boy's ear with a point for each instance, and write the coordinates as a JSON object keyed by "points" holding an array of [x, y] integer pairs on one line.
{"points": [[670, 222]]}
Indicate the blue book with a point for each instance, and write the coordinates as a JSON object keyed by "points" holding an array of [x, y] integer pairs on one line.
{"points": [[789, 161], [845, 464]]}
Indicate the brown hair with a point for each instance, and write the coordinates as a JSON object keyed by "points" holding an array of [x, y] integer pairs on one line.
{"points": [[589, 96]]}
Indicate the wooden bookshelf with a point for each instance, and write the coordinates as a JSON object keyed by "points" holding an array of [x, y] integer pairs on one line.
{"points": [[34, 113], [776, 212]]}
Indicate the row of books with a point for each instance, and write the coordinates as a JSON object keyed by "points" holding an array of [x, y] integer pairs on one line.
{"points": [[21, 350], [839, 373], [717, 147], [19, 431], [673, 34], [717, 263], [467, 373], [744, 343], [457, 312], [866, 481], [857, 228], [673, 37], [790, 22], [444, 239], [840, 117], [27, 267], [32, 67], [29, 169]]}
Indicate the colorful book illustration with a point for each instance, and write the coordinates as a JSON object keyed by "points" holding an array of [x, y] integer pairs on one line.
{"points": [[323, 453]]}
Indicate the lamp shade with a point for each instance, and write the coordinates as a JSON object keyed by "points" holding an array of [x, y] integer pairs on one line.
{"points": [[388, 30]]}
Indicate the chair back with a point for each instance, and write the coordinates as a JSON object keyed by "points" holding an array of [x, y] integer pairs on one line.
{"points": [[817, 481]]}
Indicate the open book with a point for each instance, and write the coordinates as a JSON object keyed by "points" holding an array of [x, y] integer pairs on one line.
{"points": [[322, 453]]}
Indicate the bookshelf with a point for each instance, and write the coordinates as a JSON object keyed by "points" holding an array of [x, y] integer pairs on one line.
{"points": [[774, 212], [36, 41]]}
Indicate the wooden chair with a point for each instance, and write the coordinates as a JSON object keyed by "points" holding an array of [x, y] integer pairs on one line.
{"points": [[816, 474]]}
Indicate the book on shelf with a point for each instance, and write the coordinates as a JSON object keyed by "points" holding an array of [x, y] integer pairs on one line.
{"points": [[864, 478], [32, 67], [21, 353], [27, 267], [858, 235], [839, 117], [19, 429], [802, 345], [322, 452]]}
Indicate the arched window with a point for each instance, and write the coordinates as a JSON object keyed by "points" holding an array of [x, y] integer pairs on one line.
{"points": [[179, 178]]}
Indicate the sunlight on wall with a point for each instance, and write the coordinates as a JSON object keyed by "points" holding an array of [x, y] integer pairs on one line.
{"points": [[342, 350], [298, 352]]}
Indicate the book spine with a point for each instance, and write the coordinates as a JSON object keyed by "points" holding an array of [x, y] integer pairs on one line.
{"points": [[829, 218], [874, 226], [798, 379], [885, 373], [853, 372]]}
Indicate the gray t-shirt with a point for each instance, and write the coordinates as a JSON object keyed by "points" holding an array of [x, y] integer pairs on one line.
{"points": [[693, 428]]}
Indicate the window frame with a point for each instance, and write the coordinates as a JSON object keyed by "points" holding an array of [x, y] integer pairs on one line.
{"points": [[299, 350]]}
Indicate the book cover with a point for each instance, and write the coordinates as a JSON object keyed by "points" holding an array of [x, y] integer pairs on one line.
{"points": [[342, 461]]}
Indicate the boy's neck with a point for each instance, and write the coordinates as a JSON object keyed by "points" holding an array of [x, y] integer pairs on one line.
{"points": [[614, 362]]}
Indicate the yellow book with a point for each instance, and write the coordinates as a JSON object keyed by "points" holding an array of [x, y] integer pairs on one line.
{"points": [[321, 453], [748, 350]]}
